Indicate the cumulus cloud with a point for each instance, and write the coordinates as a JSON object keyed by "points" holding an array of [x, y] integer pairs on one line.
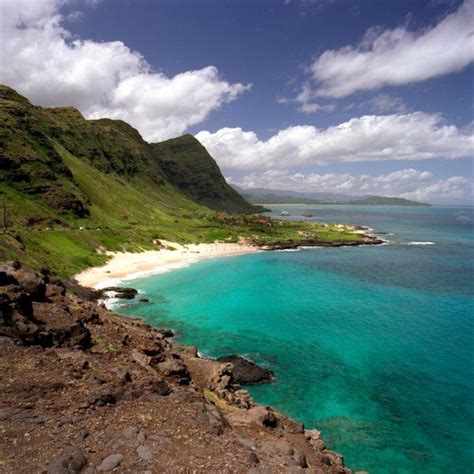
{"points": [[408, 183], [415, 136], [42, 60], [394, 57]]}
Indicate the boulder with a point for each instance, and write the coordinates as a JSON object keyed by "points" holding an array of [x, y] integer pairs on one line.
{"points": [[110, 462], [175, 369], [120, 292], [6, 277], [258, 415], [217, 422], [31, 282], [264, 415], [55, 292], [161, 387], [72, 461], [246, 372], [315, 439], [107, 397], [140, 358], [144, 453]]}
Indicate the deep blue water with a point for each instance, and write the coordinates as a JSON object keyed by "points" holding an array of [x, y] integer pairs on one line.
{"points": [[372, 345]]}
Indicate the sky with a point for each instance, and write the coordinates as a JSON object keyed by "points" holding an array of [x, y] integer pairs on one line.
{"points": [[348, 96]]}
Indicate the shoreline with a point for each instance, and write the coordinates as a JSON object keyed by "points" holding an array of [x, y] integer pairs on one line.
{"points": [[127, 266], [106, 383], [131, 265], [172, 256]]}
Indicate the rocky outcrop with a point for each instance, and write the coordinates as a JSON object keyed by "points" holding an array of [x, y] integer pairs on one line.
{"points": [[63, 200], [246, 372], [29, 312], [119, 292], [291, 244], [86, 390]]}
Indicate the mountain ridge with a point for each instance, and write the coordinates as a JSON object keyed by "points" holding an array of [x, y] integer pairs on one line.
{"points": [[31, 162], [189, 166], [276, 196]]}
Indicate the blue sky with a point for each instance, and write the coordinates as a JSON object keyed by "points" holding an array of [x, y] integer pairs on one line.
{"points": [[356, 96]]}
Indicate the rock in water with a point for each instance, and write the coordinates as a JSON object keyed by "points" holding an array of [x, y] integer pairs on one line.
{"points": [[247, 372], [120, 292]]}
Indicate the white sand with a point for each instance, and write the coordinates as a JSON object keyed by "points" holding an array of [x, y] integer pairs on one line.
{"points": [[125, 266]]}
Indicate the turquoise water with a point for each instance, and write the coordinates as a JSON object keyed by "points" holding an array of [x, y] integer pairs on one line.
{"points": [[371, 345]]}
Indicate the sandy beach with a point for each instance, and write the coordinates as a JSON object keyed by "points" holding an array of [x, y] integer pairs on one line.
{"points": [[124, 265]]}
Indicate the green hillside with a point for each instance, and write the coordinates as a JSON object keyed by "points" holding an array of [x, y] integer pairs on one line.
{"points": [[71, 189], [387, 201], [188, 165]]}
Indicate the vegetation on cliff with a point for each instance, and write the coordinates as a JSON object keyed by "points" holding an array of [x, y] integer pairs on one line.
{"points": [[70, 186], [189, 166]]}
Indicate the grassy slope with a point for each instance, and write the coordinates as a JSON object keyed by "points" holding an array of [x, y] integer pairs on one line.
{"points": [[129, 200], [128, 215]]}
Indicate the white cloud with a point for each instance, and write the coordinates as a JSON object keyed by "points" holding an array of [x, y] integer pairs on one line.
{"points": [[398, 56], [305, 100], [408, 183], [41, 59], [75, 15], [383, 103], [311, 107], [415, 136], [162, 107]]}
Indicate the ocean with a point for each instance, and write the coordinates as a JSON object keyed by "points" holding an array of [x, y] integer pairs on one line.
{"points": [[371, 345]]}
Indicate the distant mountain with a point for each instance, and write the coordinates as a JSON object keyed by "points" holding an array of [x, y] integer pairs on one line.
{"points": [[275, 196], [386, 201]]}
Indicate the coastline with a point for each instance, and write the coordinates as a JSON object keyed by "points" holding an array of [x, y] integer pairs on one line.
{"points": [[171, 256], [118, 385], [128, 265]]}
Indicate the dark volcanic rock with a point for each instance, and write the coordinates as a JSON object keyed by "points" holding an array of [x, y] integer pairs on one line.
{"points": [[247, 372], [175, 369], [119, 292], [71, 462], [215, 418], [31, 282], [83, 292], [27, 317]]}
